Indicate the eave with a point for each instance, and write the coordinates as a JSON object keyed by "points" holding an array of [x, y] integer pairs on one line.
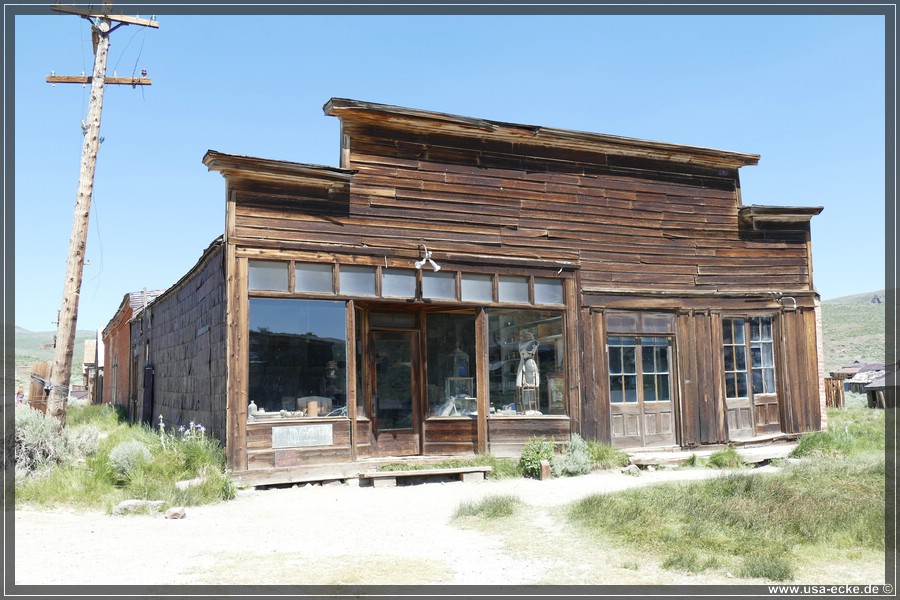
{"points": [[755, 214], [234, 167], [422, 120]]}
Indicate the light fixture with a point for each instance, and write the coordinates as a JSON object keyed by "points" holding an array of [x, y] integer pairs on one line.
{"points": [[426, 258]]}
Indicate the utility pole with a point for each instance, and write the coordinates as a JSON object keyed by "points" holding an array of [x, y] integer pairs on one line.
{"points": [[101, 24]]}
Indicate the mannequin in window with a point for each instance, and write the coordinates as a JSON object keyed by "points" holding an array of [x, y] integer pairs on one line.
{"points": [[527, 377]]}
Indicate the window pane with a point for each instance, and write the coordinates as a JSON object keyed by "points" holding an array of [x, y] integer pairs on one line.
{"points": [[450, 341], [653, 323], [740, 358], [615, 361], [313, 278], [757, 378], [754, 330], [268, 275], [477, 288], [629, 360], [738, 331], [768, 357], [730, 386], [769, 376], [741, 379], [357, 281], [767, 328], [398, 283], [755, 356], [513, 289], [616, 393], [440, 286], [515, 338], [648, 362], [662, 390], [622, 322], [662, 360], [548, 291], [729, 358], [298, 356], [649, 388], [630, 388]]}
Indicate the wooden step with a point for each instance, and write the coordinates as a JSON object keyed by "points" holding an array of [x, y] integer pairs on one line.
{"points": [[389, 478]]}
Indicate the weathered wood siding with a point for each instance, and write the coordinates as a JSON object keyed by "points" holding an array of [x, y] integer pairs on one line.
{"points": [[261, 455], [185, 332], [508, 436], [450, 436], [699, 378], [798, 388]]}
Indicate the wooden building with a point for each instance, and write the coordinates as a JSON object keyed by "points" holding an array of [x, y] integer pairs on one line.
{"points": [[118, 381], [458, 285]]}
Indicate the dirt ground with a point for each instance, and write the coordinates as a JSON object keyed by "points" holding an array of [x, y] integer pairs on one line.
{"points": [[352, 535]]}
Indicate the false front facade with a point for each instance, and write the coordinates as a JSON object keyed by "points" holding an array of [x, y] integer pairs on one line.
{"points": [[459, 285]]}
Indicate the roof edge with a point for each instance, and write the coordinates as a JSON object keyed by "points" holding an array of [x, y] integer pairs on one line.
{"points": [[610, 144]]}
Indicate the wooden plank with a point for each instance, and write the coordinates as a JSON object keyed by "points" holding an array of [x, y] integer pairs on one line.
{"points": [[87, 79], [483, 383]]}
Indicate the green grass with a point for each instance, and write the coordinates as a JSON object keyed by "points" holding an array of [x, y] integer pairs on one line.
{"points": [[725, 459], [605, 456], [853, 330], [94, 483], [757, 524], [490, 507]]}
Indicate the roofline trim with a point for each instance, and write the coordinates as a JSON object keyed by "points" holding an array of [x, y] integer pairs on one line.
{"points": [[611, 144]]}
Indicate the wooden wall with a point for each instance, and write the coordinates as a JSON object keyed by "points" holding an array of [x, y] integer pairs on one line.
{"points": [[798, 388], [185, 329], [698, 378]]}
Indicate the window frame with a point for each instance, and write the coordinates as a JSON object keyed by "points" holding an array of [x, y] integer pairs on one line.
{"points": [[748, 345]]}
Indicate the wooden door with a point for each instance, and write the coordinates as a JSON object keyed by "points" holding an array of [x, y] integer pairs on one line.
{"points": [[395, 369], [739, 418], [641, 403]]}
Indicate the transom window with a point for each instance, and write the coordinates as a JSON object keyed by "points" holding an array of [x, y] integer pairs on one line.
{"points": [[360, 280]]}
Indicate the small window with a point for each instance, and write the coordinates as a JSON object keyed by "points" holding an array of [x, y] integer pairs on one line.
{"points": [[477, 288], [514, 289], [548, 291], [439, 286], [357, 281], [268, 275], [310, 277], [398, 283]]}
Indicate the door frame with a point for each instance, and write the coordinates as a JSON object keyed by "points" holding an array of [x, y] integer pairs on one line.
{"points": [[396, 442]]}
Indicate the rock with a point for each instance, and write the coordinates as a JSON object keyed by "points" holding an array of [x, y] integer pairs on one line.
{"points": [[332, 482], [134, 506], [183, 485], [176, 512], [631, 470]]}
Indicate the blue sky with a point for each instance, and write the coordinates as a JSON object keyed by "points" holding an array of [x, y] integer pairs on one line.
{"points": [[807, 93]]}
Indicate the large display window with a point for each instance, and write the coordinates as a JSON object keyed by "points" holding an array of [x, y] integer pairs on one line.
{"points": [[451, 365], [526, 362], [298, 358]]}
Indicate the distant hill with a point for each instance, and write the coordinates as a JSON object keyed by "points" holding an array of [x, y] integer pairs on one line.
{"points": [[854, 329], [37, 346], [866, 298]]}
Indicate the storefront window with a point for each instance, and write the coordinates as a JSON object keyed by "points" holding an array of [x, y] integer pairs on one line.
{"points": [[450, 347], [298, 357], [526, 362]]}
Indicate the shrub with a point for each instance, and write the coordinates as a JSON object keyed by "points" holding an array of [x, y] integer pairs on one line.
{"points": [[605, 456], [127, 457], [726, 459], [40, 444], [575, 461], [536, 449]]}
